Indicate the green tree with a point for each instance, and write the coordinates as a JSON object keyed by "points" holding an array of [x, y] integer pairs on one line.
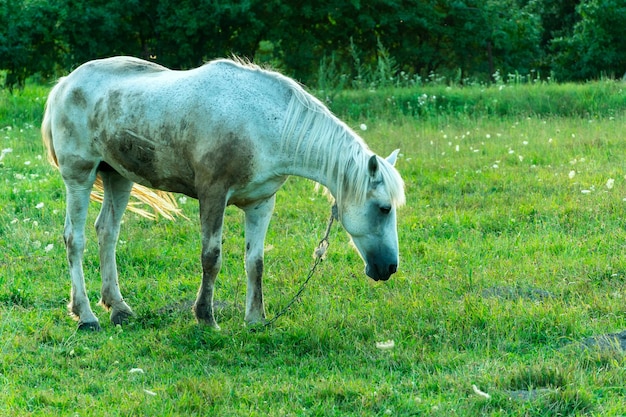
{"points": [[480, 37], [27, 39], [91, 29], [596, 47], [577, 39]]}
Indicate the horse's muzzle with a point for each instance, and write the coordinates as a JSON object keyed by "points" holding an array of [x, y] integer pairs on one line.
{"points": [[380, 272]]}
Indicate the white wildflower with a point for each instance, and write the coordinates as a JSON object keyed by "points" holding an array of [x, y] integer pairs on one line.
{"points": [[49, 247], [39, 206], [4, 152], [386, 345], [363, 127], [571, 174], [480, 393], [610, 183], [136, 371]]}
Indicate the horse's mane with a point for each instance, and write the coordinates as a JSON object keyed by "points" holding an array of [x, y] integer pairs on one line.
{"points": [[329, 143]]}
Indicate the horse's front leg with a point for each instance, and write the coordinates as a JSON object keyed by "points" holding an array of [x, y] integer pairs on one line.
{"points": [[212, 220], [258, 217]]}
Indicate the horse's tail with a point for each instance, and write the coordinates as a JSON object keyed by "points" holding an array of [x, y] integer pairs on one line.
{"points": [[161, 202], [46, 132]]}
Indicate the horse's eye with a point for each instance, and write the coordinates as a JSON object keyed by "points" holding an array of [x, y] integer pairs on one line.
{"points": [[385, 209]]}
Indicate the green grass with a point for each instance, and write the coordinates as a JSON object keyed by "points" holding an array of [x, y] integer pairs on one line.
{"points": [[512, 254], [445, 103]]}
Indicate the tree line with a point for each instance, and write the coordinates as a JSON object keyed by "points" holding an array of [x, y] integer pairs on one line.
{"points": [[324, 41]]}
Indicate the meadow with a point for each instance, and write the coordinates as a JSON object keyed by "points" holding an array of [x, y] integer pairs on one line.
{"points": [[512, 262]]}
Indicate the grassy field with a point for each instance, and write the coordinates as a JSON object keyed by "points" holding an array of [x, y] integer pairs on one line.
{"points": [[512, 247]]}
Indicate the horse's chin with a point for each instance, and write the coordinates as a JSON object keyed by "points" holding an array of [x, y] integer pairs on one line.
{"points": [[375, 274]]}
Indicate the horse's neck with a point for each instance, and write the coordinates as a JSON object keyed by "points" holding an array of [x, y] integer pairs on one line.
{"points": [[302, 167], [322, 154]]}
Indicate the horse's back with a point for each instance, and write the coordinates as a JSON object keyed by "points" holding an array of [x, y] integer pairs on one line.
{"points": [[161, 127], [114, 68]]}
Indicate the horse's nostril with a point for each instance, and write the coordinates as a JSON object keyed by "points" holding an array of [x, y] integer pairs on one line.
{"points": [[393, 268]]}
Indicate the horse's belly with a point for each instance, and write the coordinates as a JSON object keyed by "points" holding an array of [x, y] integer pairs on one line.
{"points": [[148, 162]]}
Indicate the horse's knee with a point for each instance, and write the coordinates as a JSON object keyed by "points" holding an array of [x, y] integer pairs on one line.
{"points": [[74, 244], [211, 261]]}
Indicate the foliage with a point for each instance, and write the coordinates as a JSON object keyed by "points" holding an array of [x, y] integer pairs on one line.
{"points": [[27, 39], [596, 46], [461, 40]]}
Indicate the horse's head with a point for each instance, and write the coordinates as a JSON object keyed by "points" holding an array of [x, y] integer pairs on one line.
{"points": [[372, 223]]}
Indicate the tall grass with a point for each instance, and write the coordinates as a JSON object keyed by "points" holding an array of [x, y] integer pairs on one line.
{"points": [[381, 90], [512, 247], [599, 99]]}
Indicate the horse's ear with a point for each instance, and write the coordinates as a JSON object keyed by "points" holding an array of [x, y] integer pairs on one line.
{"points": [[372, 165], [392, 158]]}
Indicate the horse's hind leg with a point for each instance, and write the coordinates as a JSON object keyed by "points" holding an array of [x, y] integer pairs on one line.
{"points": [[78, 183], [258, 217], [116, 193]]}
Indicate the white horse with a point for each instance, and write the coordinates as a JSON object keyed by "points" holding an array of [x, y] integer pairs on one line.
{"points": [[225, 133]]}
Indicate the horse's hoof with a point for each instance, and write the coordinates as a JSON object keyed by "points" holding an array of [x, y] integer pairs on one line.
{"points": [[92, 326], [120, 317], [257, 326], [208, 323], [253, 320]]}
